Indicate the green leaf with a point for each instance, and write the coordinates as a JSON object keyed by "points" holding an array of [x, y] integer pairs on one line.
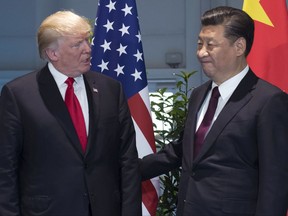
{"points": [[171, 111]]}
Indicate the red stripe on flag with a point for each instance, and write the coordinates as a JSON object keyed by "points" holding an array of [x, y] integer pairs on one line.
{"points": [[149, 196], [142, 118], [127, 73], [269, 55]]}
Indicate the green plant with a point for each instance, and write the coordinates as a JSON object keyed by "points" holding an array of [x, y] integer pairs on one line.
{"points": [[171, 111]]}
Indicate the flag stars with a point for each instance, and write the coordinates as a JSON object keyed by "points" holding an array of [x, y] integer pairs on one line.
{"points": [[127, 10], [92, 41], [257, 12], [106, 46], [137, 75], [109, 25], [103, 66], [122, 58], [111, 6], [95, 23], [122, 49], [138, 55], [124, 29], [139, 36], [119, 70]]}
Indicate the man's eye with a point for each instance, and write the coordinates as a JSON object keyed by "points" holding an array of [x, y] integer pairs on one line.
{"points": [[211, 46], [77, 44]]}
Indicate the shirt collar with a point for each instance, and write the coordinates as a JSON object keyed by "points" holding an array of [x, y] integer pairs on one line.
{"points": [[59, 77], [228, 87]]}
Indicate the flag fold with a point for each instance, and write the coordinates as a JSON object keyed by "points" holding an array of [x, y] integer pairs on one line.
{"points": [[117, 52]]}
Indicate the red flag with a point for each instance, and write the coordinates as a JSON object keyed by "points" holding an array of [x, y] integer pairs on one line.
{"points": [[117, 52], [269, 54]]}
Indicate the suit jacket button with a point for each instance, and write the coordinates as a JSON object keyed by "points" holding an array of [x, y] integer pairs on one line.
{"points": [[193, 174]]}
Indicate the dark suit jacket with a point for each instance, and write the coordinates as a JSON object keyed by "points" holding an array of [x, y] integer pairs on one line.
{"points": [[242, 168], [43, 170]]}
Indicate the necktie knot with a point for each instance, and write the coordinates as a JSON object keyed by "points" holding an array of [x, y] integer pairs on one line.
{"points": [[215, 93], [69, 81]]}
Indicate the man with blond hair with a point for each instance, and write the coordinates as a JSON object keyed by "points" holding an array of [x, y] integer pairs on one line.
{"points": [[67, 141]]}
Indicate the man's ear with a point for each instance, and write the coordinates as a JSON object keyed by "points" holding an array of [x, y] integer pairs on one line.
{"points": [[52, 54], [240, 46]]}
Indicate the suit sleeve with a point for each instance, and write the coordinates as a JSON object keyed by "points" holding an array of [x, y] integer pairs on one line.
{"points": [[130, 173], [10, 148], [273, 157], [165, 160], [169, 157]]}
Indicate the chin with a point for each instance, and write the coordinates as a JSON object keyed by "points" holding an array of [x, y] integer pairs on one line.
{"points": [[86, 69], [208, 73]]}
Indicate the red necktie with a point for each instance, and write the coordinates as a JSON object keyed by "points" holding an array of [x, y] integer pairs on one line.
{"points": [[75, 111], [206, 122]]}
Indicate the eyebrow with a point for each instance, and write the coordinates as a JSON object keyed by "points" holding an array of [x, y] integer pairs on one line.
{"points": [[205, 38]]}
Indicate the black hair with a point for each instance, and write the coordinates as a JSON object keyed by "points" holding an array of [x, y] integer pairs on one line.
{"points": [[237, 23]]}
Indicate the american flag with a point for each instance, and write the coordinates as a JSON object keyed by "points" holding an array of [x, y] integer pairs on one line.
{"points": [[117, 52]]}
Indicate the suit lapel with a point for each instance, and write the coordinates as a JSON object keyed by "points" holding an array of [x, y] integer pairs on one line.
{"points": [[93, 96], [237, 101], [54, 102]]}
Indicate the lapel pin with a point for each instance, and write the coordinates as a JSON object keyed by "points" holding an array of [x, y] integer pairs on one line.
{"points": [[95, 90]]}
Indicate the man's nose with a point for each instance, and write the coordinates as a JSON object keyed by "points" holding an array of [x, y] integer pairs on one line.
{"points": [[202, 51], [87, 46]]}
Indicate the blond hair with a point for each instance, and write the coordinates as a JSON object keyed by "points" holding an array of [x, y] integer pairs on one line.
{"points": [[57, 25]]}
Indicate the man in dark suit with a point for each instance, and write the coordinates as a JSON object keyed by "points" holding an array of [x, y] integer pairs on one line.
{"points": [[44, 170], [241, 167]]}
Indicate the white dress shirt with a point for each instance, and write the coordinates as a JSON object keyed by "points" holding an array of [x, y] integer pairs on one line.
{"points": [[79, 90], [226, 89]]}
